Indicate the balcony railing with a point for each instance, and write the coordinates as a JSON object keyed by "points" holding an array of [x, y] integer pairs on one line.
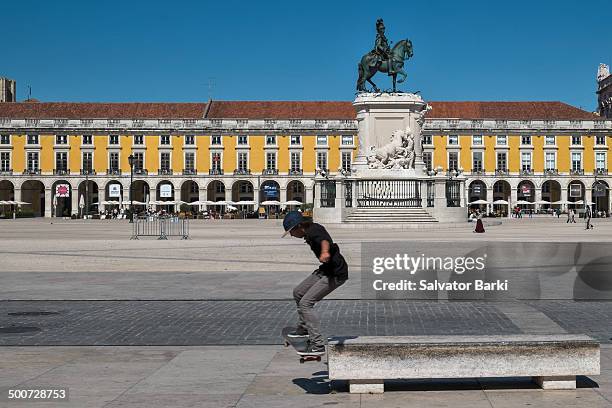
{"points": [[88, 172], [501, 172], [189, 172], [31, 172], [270, 172], [242, 172], [61, 172], [577, 172], [6, 172], [140, 172], [601, 172], [551, 172], [215, 172], [526, 172], [321, 171], [113, 172], [164, 172], [296, 172], [478, 173]]}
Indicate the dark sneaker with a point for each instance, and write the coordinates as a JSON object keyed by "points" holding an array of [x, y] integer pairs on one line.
{"points": [[298, 333], [312, 350]]}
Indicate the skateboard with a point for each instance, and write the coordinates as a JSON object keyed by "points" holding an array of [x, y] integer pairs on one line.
{"points": [[299, 344]]}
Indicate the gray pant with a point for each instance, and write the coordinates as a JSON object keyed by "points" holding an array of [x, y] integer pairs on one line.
{"points": [[312, 289]]}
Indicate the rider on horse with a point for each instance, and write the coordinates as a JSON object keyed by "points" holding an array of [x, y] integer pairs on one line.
{"points": [[381, 47]]}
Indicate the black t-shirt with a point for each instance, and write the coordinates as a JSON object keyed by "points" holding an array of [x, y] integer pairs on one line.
{"points": [[336, 266]]}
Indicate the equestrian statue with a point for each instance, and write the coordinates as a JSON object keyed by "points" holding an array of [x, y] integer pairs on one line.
{"points": [[383, 58]]}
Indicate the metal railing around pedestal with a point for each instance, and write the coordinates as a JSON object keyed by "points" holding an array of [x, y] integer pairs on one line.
{"points": [[328, 194], [160, 227], [388, 193]]}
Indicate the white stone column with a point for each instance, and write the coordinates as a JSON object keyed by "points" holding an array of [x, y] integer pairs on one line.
{"points": [[339, 192], [513, 200], [283, 194], [538, 197], [564, 197], [317, 194], [177, 196], [74, 199], [490, 199], [354, 193], [49, 202], [17, 197], [440, 191], [308, 198]]}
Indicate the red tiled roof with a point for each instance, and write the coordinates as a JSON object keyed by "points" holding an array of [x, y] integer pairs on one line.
{"points": [[282, 110], [86, 110], [508, 110]]}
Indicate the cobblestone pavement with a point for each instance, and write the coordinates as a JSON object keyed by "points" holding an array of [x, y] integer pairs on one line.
{"points": [[592, 318], [235, 322]]}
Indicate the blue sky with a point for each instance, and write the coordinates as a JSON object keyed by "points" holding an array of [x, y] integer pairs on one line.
{"points": [[301, 50]]}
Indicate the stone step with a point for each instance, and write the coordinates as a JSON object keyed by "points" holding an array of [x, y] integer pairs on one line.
{"points": [[379, 215]]}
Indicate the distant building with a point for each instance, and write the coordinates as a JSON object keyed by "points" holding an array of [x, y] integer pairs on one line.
{"points": [[604, 91], [7, 90]]}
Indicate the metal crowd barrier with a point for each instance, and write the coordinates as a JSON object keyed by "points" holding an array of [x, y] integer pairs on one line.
{"points": [[160, 227]]}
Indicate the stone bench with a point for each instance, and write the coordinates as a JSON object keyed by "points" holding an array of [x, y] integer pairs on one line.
{"points": [[553, 361]]}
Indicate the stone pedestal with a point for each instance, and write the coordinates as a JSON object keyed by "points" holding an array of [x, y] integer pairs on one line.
{"points": [[378, 116]]}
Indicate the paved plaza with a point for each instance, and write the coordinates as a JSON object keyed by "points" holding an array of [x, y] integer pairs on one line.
{"points": [[197, 323]]}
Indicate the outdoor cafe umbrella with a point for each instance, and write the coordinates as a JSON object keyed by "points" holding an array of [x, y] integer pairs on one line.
{"points": [[562, 202], [271, 202], [579, 202], [293, 202], [500, 202], [479, 202], [523, 202], [542, 202], [245, 202]]}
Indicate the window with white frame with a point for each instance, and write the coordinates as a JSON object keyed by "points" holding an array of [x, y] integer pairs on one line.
{"points": [[189, 140], [600, 160], [476, 161], [113, 161], [295, 140], [502, 140], [32, 161], [138, 140], [576, 161], [576, 140], [347, 140], [600, 140], [526, 161], [138, 161], [61, 139], [87, 161], [87, 139], [347, 158], [164, 140], [216, 159], [5, 161], [113, 139], [164, 161], [32, 139], [243, 140], [61, 161], [296, 161], [526, 140], [477, 140], [321, 140], [453, 161], [502, 161], [551, 162], [453, 140], [215, 140], [189, 161], [549, 140], [271, 161], [5, 139], [321, 160], [427, 140], [243, 161], [270, 140]]}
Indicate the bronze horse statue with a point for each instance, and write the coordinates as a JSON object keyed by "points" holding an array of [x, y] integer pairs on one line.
{"points": [[371, 63]]}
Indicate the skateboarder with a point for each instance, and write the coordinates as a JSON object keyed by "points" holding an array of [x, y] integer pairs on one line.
{"points": [[331, 274]]}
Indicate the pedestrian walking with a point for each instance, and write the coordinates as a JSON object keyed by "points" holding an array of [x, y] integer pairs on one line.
{"points": [[331, 274], [479, 225], [587, 216]]}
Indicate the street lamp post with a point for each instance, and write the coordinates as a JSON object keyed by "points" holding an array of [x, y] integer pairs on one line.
{"points": [[131, 161]]}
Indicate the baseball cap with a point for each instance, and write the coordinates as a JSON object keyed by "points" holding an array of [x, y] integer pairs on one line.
{"points": [[292, 219]]}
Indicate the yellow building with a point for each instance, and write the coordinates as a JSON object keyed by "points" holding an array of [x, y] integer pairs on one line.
{"points": [[52, 154]]}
